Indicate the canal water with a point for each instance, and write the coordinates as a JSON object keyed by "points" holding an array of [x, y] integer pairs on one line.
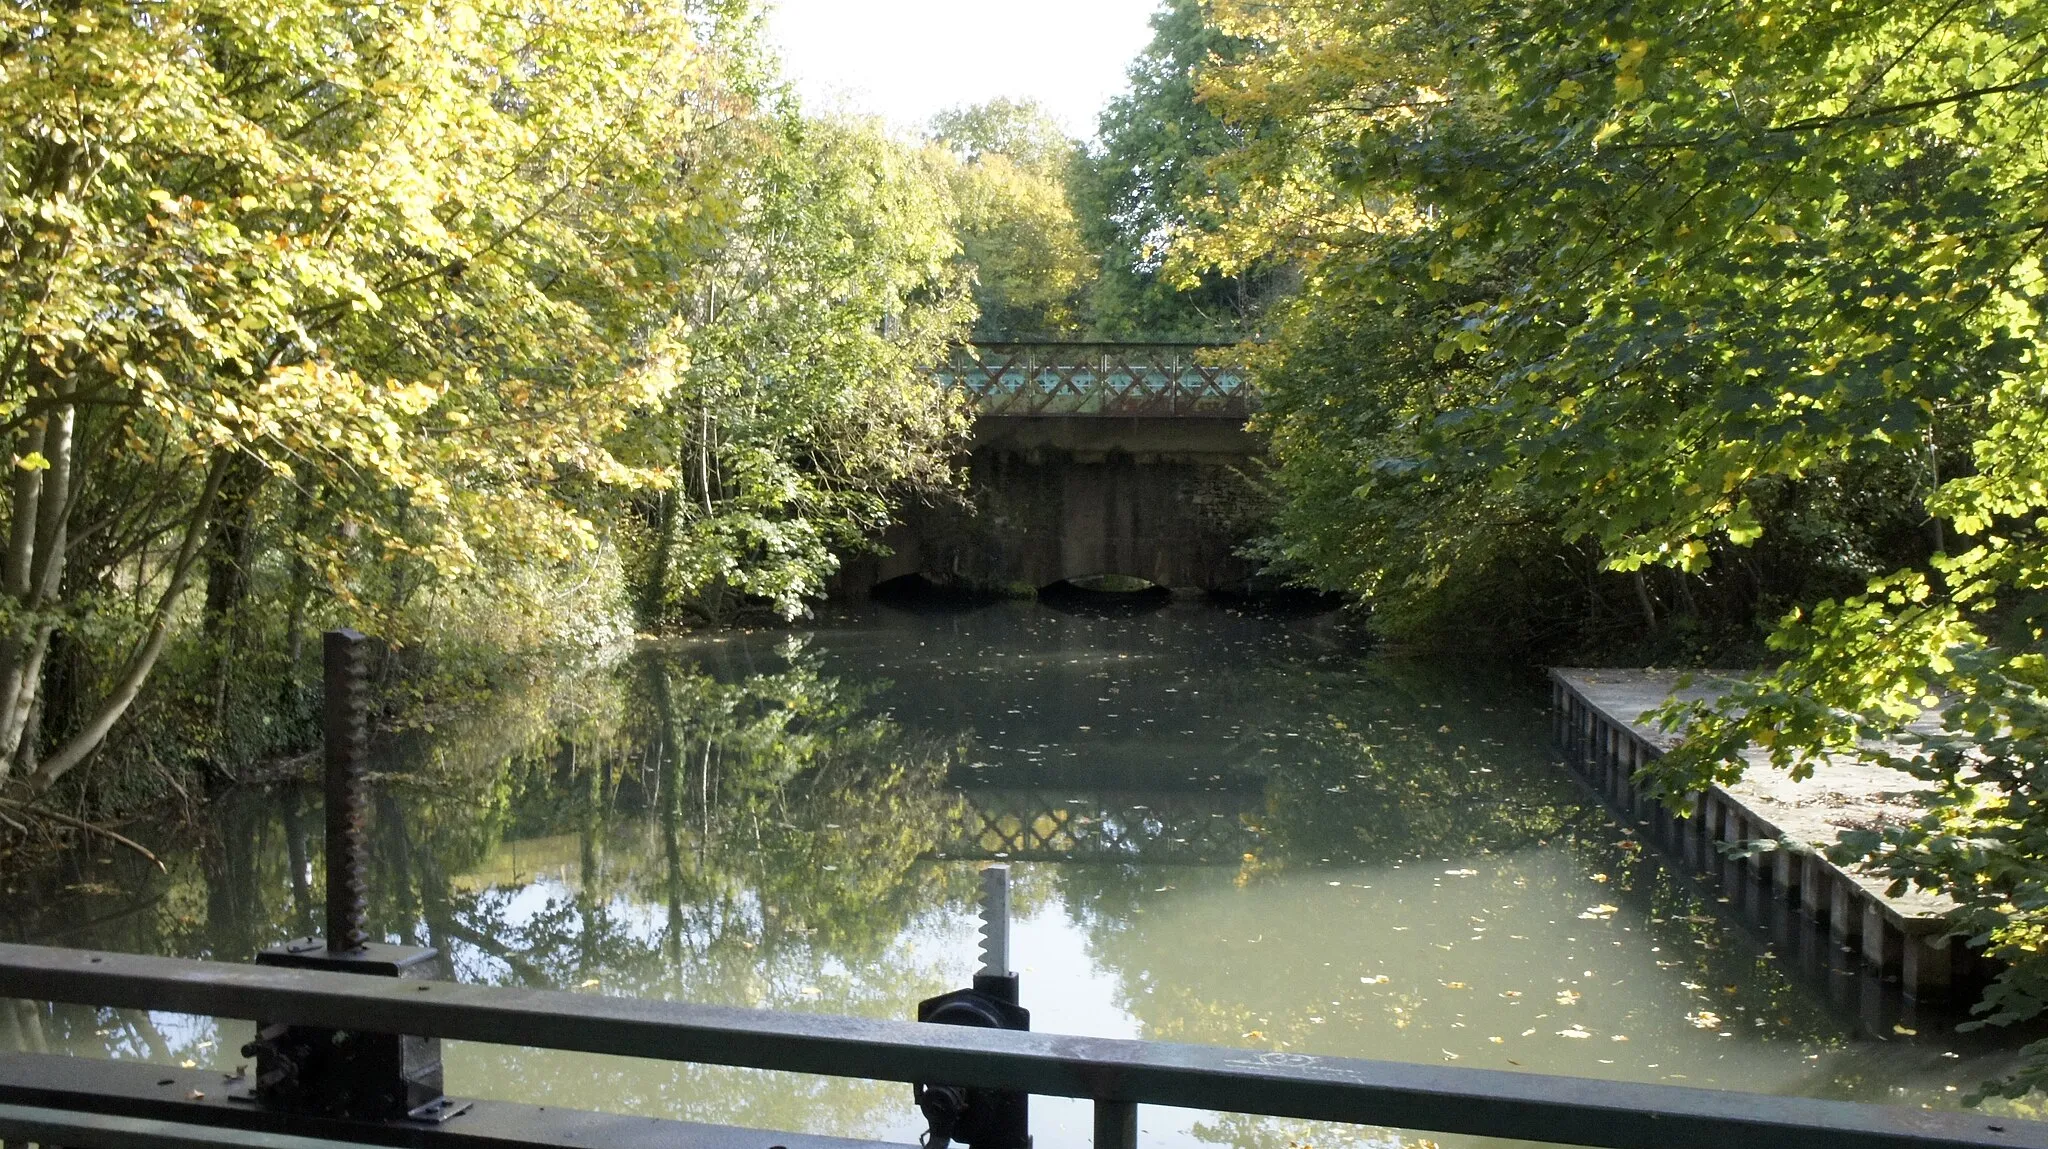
{"points": [[1224, 827]]}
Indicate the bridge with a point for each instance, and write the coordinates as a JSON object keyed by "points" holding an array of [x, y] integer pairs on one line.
{"points": [[1106, 380], [1089, 458]]}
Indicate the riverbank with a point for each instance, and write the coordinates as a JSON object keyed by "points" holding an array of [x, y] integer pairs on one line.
{"points": [[1767, 830]]}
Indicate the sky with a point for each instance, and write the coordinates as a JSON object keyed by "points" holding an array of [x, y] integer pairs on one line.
{"points": [[905, 60]]}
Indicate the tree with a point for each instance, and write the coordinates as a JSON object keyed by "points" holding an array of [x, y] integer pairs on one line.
{"points": [[1019, 129], [372, 265], [1669, 279], [1017, 227], [1151, 181], [802, 407]]}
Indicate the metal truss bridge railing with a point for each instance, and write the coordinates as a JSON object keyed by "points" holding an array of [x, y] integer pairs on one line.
{"points": [[1032, 825], [1047, 377]]}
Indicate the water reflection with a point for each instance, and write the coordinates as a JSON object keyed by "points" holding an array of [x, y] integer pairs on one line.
{"points": [[1227, 829]]}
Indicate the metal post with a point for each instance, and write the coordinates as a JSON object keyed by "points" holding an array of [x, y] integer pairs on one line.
{"points": [[344, 1072], [980, 1118], [346, 728], [1116, 1125], [995, 921]]}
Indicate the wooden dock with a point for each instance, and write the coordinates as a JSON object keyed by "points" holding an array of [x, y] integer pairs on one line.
{"points": [[1600, 726]]}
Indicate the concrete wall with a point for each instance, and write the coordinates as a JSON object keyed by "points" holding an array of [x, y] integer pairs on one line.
{"points": [[1059, 497]]}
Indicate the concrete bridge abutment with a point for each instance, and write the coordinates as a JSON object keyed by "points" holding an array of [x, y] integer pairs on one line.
{"points": [[1168, 499]]}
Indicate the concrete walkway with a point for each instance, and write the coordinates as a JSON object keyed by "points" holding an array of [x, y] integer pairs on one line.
{"points": [[1601, 725]]}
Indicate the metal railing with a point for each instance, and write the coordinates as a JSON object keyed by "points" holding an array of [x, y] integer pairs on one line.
{"points": [[1028, 825], [39, 1094], [1049, 377]]}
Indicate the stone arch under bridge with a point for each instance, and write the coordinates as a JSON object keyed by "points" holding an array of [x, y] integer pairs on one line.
{"points": [[1089, 459]]}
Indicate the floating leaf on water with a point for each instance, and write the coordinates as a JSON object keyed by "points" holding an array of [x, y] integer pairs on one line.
{"points": [[1704, 1019], [1567, 996], [1511, 993], [1456, 985]]}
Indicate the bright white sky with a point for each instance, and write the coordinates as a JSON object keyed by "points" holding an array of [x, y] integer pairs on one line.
{"points": [[905, 60]]}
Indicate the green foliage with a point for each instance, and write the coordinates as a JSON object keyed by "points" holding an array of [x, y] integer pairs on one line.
{"points": [[1017, 228], [449, 323], [1741, 303], [314, 274], [801, 405], [1019, 129], [1151, 181]]}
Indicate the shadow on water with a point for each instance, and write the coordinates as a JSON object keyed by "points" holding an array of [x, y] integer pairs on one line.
{"points": [[1227, 828], [1278, 602], [1105, 596], [922, 593], [1806, 950]]}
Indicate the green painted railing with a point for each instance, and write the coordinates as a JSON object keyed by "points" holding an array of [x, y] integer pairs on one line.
{"points": [[1048, 377]]}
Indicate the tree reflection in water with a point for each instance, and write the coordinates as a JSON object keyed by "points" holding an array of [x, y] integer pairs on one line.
{"points": [[686, 828], [1227, 830]]}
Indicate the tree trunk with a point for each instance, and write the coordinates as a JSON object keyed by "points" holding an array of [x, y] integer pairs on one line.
{"points": [[30, 574], [142, 660], [661, 522], [229, 554]]}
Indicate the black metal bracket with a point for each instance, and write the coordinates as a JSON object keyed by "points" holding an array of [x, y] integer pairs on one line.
{"points": [[980, 1118], [343, 1072]]}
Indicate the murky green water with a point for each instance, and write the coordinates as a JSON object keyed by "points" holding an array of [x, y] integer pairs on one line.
{"points": [[1225, 829]]}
